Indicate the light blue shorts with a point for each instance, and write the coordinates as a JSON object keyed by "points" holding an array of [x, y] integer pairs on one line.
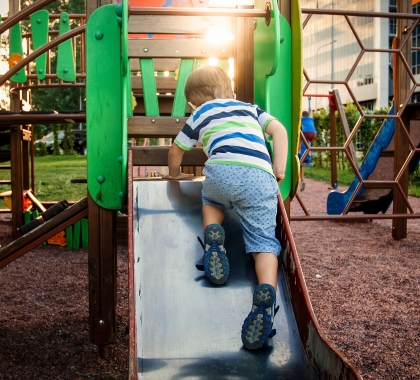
{"points": [[252, 193]]}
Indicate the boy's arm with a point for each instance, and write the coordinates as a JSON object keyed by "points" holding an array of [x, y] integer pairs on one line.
{"points": [[175, 155], [279, 134]]}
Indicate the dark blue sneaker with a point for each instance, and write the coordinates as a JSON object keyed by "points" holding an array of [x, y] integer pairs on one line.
{"points": [[258, 324], [216, 263]]}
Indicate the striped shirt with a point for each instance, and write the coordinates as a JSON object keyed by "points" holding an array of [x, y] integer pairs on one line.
{"points": [[232, 133]]}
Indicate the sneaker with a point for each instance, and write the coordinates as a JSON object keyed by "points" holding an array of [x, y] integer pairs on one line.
{"points": [[216, 263], [302, 186], [258, 324]]}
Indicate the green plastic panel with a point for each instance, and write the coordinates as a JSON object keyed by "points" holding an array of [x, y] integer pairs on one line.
{"points": [[279, 100], [180, 102], [76, 235], [66, 69], [39, 26], [297, 74], [104, 108], [85, 233], [151, 105], [16, 52], [69, 237], [272, 73]]}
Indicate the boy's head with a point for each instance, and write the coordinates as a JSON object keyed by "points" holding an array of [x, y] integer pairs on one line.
{"points": [[208, 83], [305, 113]]}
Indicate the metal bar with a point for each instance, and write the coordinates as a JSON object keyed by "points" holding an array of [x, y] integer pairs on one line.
{"points": [[150, 11], [311, 218], [336, 12]]}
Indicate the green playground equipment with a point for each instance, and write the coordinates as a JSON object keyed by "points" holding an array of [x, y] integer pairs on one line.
{"points": [[277, 89]]}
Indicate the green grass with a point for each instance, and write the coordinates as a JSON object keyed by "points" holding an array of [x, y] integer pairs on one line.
{"points": [[53, 175], [346, 177]]}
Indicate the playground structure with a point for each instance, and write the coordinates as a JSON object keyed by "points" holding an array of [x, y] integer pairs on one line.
{"points": [[401, 152], [110, 169]]}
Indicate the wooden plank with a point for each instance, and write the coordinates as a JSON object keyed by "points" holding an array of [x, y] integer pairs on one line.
{"points": [[102, 275], [163, 84], [180, 48], [165, 105], [161, 64], [158, 156], [402, 84], [45, 231], [17, 178], [139, 126], [153, 24]]}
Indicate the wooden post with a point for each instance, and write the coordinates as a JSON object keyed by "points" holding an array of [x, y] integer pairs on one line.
{"points": [[333, 142], [102, 260], [401, 146], [102, 276], [16, 164]]}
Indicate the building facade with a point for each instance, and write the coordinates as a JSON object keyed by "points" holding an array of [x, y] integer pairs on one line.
{"points": [[332, 47]]}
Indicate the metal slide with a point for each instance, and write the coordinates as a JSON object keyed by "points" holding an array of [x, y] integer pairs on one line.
{"points": [[182, 326]]}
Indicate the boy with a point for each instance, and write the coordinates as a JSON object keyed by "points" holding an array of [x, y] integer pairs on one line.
{"points": [[239, 175]]}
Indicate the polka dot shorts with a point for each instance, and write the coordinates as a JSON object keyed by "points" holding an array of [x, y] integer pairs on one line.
{"points": [[252, 193]]}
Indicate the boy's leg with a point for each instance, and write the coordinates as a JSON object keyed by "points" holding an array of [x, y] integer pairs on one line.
{"points": [[216, 264], [258, 325], [266, 265]]}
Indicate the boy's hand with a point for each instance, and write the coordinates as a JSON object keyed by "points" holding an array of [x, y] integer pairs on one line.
{"points": [[178, 176]]}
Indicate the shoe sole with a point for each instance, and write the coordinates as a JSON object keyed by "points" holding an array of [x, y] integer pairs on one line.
{"points": [[216, 266], [258, 325]]}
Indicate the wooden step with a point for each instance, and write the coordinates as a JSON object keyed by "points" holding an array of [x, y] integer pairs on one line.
{"points": [[155, 127]]}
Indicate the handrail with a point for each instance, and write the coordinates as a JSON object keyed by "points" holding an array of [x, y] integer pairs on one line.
{"points": [[337, 12], [36, 53], [150, 11], [22, 14]]}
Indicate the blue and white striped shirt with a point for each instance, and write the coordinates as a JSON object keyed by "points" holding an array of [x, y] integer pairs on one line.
{"points": [[232, 133]]}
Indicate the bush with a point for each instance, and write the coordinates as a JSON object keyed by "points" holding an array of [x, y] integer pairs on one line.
{"points": [[41, 149]]}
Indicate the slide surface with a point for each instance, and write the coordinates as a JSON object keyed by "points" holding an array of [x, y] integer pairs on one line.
{"points": [[183, 326]]}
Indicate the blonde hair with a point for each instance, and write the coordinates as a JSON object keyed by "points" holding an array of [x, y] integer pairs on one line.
{"points": [[208, 83]]}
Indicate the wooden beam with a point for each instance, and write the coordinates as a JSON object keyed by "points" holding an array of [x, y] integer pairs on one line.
{"points": [[401, 146], [179, 48], [102, 264], [158, 156], [139, 126], [42, 233]]}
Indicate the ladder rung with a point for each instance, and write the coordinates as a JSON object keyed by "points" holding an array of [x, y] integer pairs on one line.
{"points": [[5, 182], [5, 167]]}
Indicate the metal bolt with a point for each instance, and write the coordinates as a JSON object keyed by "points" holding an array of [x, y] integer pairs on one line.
{"points": [[40, 71], [100, 178], [177, 120], [65, 70], [64, 20], [203, 51], [99, 35], [39, 21], [153, 121], [101, 322], [145, 50]]}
